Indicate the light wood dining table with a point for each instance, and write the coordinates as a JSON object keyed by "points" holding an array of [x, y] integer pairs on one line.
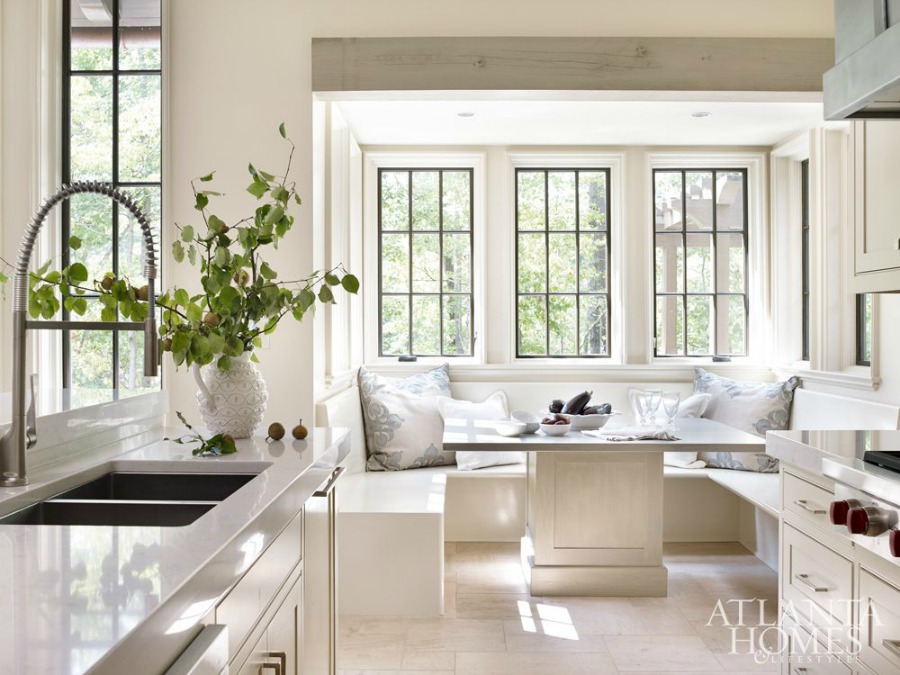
{"points": [[595, 506]]}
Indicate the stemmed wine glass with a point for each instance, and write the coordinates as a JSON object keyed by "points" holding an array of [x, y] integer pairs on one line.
{"points": [[652, 398], [670, 402]]}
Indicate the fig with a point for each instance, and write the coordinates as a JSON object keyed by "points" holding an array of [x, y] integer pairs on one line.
{"points": [[142, 293], [300, 432], [167, 345], [211, 319], [276, 431], [107, 282]]}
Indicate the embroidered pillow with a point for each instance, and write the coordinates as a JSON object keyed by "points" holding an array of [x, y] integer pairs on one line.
{"points": [[494, 407], [754, 407], [404, 429]]}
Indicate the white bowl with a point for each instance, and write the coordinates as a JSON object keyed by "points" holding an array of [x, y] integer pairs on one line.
{"points": [[582, 422], [556, 429], [531, 421], [510, 428]]}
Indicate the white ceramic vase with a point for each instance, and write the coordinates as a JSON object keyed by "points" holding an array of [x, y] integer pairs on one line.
{"points": [[231, 401]]}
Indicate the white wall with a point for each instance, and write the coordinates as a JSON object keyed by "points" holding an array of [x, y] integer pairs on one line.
{"points": [[238, 68]]}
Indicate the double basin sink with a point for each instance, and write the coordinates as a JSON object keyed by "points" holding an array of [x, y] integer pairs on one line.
{"points": [[133, 499]]}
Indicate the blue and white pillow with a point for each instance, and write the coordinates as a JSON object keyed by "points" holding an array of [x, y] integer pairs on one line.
{"points": [[754, 407], [404, 428]]}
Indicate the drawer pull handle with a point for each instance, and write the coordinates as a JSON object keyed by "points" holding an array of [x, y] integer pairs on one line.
{"points": [[893, 646], [812, 508], [806, 581], [800, 670], [329, 484]]}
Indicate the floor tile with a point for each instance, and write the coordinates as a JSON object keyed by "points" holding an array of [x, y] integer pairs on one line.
{"points": [[491, 605], [661, 654], [430, 660], [509, 663], [456, 635]]}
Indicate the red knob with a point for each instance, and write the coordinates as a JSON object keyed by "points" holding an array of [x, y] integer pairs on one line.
{"points": [[858, 521], [838, 512], [894, 543]]}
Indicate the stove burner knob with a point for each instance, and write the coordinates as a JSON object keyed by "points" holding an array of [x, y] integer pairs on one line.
{"points": [[894, 543], [865, 521], [839, 509]]}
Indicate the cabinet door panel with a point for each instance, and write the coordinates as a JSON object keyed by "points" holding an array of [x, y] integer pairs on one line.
{"points": [[876, 148]]}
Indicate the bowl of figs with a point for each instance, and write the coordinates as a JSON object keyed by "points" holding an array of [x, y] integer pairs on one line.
{"points": [[555, 424], [583, 415]]}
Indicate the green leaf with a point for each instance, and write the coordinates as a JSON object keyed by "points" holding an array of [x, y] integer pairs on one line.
{"points": [[267, 272], [274, 215], [78, 272], [202, 201], [254, 358], [331, 279], [350, 283], [192, 254], [194, 312], [224, 362], [307, 299], [181, 341], [216, 224], [178, 251], [181, 297], [279, 194], [282, 131], [199, 345], [233, 346], [79, 306], [74, 243], [53, 277], [269, 177], [258, 188], [187, 233], [216, 343], [108, 314], [208, 177], [325, 294]]}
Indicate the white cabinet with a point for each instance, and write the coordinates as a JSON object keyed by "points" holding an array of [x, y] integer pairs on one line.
{"points": [[879, 623], [277, 650], [320, 584], [875, 147]]}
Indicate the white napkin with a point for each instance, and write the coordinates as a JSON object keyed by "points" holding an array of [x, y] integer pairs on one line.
{"points": [[633, 434]]}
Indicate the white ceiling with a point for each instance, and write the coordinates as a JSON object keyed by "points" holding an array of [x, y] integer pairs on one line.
{"points": [[585, 122]]}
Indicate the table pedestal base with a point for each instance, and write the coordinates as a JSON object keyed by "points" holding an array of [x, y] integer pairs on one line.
{"points": [[607, 581]]}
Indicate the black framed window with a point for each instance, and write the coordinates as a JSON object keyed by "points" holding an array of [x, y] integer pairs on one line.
{"points": [[804, 243], [425, 270], [112, 132], [700, 262], [864, 329], [562, 262]]}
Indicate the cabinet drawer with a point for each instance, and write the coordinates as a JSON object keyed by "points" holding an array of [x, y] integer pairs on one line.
{"points": [[879, 623], [809, 502], [817, 582], [808, 655], [242, 607]]}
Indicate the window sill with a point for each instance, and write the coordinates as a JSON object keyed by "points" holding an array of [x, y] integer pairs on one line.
{"points": [[854, 377]]}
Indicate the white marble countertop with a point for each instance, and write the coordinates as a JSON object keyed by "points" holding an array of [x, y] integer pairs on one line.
{"points": [[691, 433], [83, 598]]}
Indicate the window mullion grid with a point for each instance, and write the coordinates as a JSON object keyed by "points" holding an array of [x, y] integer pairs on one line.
{"points": [[66, 91], [684, 265], [409, 247], [547, 261], [441, 262], [115, 178], [577, 268], [714, 259]]}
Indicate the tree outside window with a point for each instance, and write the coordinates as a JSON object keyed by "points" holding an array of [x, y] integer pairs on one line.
{"points": [[425, 262], [562, 262], [112, 132], [700, 262]]}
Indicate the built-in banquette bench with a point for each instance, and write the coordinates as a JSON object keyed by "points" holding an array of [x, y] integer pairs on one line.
{"points": [[393, 525]]}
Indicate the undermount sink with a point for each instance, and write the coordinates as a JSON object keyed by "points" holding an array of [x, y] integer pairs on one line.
{"points": [[175, 487], [133, 499], [148, 514]]}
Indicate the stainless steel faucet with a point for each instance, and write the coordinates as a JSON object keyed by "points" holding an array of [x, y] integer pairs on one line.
{"points": [[22, 435]]}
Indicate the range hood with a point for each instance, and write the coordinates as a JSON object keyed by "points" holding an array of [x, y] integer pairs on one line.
{"points": [[865, 81]]}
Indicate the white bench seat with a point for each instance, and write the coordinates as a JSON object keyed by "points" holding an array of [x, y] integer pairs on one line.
{"points": [[760, 489]]}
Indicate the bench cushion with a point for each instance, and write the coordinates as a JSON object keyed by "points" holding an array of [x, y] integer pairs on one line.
{"points": [[754, 407], [403, 427]]}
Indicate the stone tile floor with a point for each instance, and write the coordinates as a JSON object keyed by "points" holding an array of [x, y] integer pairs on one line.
{"points": [[492, 626]]}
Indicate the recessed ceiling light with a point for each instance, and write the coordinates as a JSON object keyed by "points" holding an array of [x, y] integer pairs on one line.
{"points": [[701, 113], [465, 113]]}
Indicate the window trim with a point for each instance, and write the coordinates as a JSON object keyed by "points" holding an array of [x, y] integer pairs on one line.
{"points": [[755, 164], [805, 275], [374, 160]]}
